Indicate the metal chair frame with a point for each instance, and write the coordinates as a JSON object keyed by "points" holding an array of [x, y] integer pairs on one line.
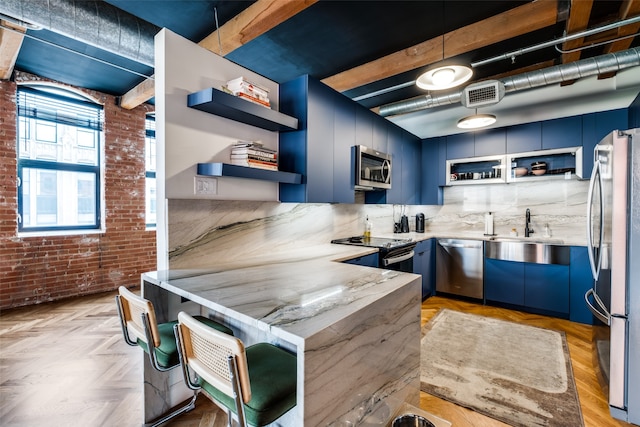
{"points": [[191, 403], [234, 374]]}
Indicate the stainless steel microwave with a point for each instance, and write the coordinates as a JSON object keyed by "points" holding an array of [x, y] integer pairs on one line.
{"points": [[373, 169]]}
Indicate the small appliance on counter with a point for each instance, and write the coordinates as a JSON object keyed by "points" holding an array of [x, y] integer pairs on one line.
{"points": [[420, 223], [400, 220]]}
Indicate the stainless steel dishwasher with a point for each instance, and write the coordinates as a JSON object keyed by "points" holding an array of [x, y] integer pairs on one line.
{"points": [[459, 267]]}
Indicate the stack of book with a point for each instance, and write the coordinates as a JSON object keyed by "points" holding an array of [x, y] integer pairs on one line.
{"points": [[241, 88], [254, 155]]}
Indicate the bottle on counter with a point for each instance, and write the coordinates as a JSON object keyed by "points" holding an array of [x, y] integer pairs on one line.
{"points": [[367, 229]]}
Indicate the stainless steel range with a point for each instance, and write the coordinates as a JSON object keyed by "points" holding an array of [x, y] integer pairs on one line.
{"points": [[394, 254]]}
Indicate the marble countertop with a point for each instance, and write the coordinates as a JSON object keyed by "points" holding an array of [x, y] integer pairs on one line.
{"points": [[293, 293]]}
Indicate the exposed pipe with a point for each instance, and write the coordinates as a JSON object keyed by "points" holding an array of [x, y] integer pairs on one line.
{"points": [[518, 52], [96, 23], [558, 73], [551, 43]]}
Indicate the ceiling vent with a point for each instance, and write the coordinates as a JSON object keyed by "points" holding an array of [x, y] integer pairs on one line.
{"points": [[483, 93]]}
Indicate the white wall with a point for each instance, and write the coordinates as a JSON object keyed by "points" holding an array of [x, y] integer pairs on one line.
{"points": [[186, 136]]}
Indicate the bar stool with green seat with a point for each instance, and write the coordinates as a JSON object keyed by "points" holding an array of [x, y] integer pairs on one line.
{"points": [[256, 385], [139, 327]]}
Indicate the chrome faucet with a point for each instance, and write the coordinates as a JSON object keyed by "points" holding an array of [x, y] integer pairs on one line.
{"points": [[527, 229]]}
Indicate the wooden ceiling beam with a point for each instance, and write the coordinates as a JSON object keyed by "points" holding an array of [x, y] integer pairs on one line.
{"points": [[257, 19], [251, 23], [512, 23], [628, 9], [10, 43], [578, 20]]}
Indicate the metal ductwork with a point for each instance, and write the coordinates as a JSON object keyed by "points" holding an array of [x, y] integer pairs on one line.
{"points": [[608, 63], [96, 23]]}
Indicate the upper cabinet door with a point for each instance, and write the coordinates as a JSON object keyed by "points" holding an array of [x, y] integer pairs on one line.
{"points": [[460, 146], [380, 131], [490, 142], [562, 133], [364, 127], [344, 130], [596, 126], [524, 138]]}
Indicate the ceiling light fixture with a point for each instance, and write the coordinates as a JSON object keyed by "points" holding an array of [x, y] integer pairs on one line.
{"points": [[476, 121], [444, 77]]}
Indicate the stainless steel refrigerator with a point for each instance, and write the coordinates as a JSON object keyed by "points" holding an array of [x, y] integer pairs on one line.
{"points": [[613, 234]]}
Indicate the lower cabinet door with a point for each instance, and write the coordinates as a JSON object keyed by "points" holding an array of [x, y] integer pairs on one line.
{"points": [[547, 287], [504, 281], [370, 260], [424, 264]]}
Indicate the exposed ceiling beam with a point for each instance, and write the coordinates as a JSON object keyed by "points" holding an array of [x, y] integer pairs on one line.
{"points": [[578, 20], [515, 22], [628, 9], [10, 43], [254, 21], [251, 23]]}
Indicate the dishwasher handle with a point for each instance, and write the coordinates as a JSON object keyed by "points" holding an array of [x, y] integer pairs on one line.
{"points": [[460, 245]]}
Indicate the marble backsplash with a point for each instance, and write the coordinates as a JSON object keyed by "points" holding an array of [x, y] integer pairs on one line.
{"points": [[203, 231]]}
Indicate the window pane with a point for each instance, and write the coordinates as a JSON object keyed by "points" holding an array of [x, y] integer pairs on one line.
{"points": [[58, 198]]}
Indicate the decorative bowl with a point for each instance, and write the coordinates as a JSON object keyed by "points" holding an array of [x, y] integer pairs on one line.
{"points": [[521, 171], [538, 172]]}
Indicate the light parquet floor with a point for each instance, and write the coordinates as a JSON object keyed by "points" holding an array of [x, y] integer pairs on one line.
{"points": [[65, 364]]}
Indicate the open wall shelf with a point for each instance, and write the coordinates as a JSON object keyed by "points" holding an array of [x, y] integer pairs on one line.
{"points": [[222, 104], [225, 169]]}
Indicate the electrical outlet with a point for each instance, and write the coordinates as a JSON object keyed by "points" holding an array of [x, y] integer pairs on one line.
{"points": [[205, 186]]}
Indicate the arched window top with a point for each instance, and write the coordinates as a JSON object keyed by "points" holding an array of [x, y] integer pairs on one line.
{"points": [[58, 90]]}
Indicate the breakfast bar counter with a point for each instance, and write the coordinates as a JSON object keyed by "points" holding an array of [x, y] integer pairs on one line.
{"points": [[355, 330]]}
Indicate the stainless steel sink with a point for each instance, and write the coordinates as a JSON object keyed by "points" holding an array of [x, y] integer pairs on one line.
{"points": [[510, 249]]}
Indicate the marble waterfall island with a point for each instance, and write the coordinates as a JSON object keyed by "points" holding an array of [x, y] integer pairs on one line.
{"points": [[355, 330]]}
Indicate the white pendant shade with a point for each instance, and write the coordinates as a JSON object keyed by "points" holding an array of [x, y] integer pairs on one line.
{"points": [[476, 121], [444, 77]]}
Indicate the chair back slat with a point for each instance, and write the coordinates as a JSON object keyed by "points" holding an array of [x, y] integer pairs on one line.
{"points": [[207, 351], [134, 307]]}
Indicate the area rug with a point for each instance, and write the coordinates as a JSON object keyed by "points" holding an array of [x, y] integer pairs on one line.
{"points": [[515, 373]]}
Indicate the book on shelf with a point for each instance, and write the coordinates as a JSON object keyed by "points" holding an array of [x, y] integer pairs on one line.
{"points": [[253, 99], [254, 157], [252, 152], [255, 164], [241, 84]]}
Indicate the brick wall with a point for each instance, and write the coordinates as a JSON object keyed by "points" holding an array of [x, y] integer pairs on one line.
{"points": [[47, 268]]}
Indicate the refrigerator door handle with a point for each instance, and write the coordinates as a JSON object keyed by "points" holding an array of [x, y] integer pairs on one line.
{"points": [[595, 178], [600, 312]]}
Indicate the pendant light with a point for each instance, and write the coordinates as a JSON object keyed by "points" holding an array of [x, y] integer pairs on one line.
{"points": [[444, 76], [476, 121]]}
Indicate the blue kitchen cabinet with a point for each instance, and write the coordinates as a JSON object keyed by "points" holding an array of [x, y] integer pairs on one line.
{"points": [[460, 146], [370, 260], [546, 288], [424, 263], [431, 170], [394, 144], [580, 281], [411, 157], [504, 281], [314, 151], [364, 126], [596, 126], [562, 133], [490, 142], [379, 133], [524, 138], [344, 134]]}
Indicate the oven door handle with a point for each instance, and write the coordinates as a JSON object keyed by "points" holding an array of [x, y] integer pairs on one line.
{"points": [[394, 260]]}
